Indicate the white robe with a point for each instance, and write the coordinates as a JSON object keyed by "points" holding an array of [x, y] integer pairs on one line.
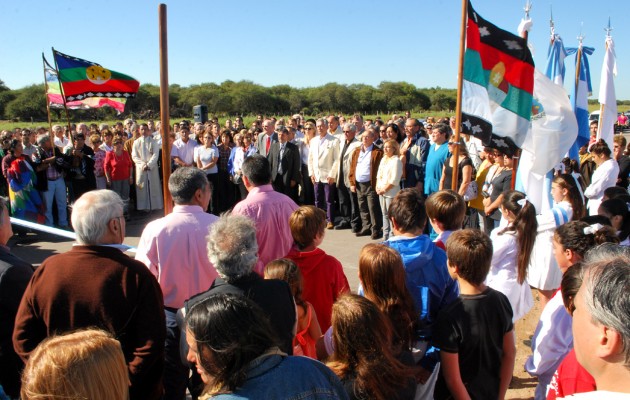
{"points": [[605, 176], [552, 341], [503, 275], [543, 272], [145, 152]]}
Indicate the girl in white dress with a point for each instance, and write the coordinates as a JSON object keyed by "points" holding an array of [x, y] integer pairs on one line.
{"points": [[512, 249], [543, 273]]}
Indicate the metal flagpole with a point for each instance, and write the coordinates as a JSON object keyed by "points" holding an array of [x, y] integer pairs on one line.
{"points": [[46, 88], [517, 154]]}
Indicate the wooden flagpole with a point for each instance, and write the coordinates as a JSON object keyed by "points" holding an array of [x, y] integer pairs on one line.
{"points": [[63, 97], [458, 107], [47, 102], [164, 109]]}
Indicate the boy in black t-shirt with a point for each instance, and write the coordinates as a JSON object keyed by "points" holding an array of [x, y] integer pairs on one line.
{"points": [[474, 333]]}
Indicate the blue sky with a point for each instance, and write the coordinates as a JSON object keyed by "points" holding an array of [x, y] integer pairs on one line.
{"points": [[298, 43]]}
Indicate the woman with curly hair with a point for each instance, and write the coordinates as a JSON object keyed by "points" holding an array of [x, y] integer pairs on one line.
{"points": [[363, 357]]}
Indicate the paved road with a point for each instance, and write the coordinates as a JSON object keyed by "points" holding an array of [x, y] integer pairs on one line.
{"points": [[35, 247]]}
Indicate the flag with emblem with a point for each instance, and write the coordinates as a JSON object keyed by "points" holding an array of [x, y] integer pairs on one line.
{"points": [[53, 93], [498, 85], [81, 79]]}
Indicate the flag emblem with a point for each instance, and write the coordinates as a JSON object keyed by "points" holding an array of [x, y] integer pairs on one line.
{"points": [[97, 74]]}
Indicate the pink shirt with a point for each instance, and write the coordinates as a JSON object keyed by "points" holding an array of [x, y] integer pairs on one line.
{"points": [[174, 248], [270, 211]]}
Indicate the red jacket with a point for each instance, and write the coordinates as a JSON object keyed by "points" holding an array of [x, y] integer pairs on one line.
{"points": [[570, 378], [323, 281]]}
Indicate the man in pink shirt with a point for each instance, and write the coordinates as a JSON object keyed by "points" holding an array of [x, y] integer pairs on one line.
{"points": [[174, 248], [270, 211]]}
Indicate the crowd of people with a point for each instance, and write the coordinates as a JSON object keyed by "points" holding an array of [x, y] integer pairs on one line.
{"points": [[230, 288]]}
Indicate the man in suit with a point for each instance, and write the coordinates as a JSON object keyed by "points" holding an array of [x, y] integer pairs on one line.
{"points": [[323, 163], [266, 137], [284, 159]]}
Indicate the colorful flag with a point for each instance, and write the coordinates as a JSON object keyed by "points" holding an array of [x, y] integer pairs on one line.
{"points": [[553, 129], [579, 96], [607, 97], [82, 79], [55, 100], [498, 84]]}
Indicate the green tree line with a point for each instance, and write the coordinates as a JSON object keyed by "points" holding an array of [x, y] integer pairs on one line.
{"points": [[242, 98]]}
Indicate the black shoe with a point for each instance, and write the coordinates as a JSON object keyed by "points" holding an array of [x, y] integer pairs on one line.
{"points": [[362, 233], [342, 225], [377, 235]]}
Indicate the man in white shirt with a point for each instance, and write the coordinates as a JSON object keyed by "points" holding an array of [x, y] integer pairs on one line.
{"points": [[183, 150]]}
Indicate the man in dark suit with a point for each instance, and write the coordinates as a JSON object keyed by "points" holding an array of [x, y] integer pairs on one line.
{"points": [[284, 159]]}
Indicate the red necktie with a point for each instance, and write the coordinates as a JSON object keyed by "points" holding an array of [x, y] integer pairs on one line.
{"points": [[268, 144]]}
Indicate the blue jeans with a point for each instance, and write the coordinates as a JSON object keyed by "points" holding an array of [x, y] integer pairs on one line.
{"points": [[57, 191], [175, 373]]}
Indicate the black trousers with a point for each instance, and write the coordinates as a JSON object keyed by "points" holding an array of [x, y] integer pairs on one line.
{"points": [[349, 207], [369, 208]]}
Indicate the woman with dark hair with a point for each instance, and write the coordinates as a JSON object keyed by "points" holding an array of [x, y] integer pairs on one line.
{"points": [[512, 249], [464, 166], [26, 202], [224, 189], [604, 176], [363, 357], [497, 182], [543, 273], [393, 132], [231, 344], [618, 212]]}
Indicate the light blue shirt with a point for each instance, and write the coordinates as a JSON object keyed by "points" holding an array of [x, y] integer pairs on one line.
{"points": [[364, 164]]}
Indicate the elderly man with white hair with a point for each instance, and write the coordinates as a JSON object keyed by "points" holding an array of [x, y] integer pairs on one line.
{"points": [[96, 285], [601, 322], [232, 248]]}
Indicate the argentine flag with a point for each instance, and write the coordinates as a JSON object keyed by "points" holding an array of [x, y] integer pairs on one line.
{"points": [[581, 90]]}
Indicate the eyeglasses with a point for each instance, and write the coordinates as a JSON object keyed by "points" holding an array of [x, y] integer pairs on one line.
{"points": [[308, 129], [347, 131], [451, 143]]}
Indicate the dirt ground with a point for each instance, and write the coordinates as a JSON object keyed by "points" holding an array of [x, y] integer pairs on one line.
{"points": [[523, 385]]}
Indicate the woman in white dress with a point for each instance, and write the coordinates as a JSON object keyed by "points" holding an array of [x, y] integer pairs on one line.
{"points": [[543, 273], [206, 157], [512, 249], [388, 180], [604, 176], [617, 210]]}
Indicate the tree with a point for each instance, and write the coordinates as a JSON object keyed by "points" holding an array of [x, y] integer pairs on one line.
{"points": [[29, 102]]}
